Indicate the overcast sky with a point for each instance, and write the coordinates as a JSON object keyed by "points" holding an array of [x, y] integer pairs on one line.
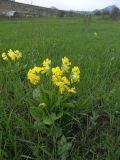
{"points": [[73, 4]]}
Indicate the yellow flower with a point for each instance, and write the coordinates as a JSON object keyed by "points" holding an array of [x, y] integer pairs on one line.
{"points": [[33, 75], [37, 69], [65, 81], [72, 90], [75, 75], [34, 79], [56, 79], [56, 75], [64, 84], [65, 64], [46, 62], [57, 71], [46, 66], [59, 80], [18, 54], [4, 57], [62, 88], [12, 55]]}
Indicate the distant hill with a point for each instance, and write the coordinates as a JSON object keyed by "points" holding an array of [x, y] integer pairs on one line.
{"points": [[108, 9]]}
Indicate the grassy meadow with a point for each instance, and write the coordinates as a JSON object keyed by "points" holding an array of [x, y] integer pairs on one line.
{"points": [[49, 126]]}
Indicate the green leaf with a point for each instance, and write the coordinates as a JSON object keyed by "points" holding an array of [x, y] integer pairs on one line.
{"points": [[36, 113], [50, 119], [56, 117], [56, 131], [36, 94]]}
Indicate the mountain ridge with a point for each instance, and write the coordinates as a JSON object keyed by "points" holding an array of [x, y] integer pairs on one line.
{"points": [[109, 8]]}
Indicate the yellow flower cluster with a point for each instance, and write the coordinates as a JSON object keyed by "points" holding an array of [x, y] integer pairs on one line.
{"points": [[34, 74], [61, 81], [12, 55], [75, 75], [65, 64], [61, 77], [46, 66]]}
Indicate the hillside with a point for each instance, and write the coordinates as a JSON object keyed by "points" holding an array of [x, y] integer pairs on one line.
{"points": [[24, 10], [109, 8]]}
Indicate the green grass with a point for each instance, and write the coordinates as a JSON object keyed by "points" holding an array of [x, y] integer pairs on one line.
{"points": [[89, 128]]}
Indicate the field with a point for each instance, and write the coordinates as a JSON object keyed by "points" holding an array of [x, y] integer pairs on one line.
{"points": [[47, 125]]}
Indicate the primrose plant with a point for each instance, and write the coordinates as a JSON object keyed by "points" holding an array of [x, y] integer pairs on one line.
{"points": [[52, 87]]}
